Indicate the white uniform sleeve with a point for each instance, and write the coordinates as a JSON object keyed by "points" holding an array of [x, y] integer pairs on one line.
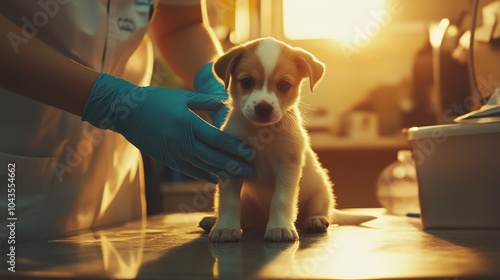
{"points": [[180, 2]]}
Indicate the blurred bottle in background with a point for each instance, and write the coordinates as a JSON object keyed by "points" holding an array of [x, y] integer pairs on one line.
{"points": [[397, 187]]}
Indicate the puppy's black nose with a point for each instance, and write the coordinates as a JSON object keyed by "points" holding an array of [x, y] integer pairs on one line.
{"points": [[263, 110]]}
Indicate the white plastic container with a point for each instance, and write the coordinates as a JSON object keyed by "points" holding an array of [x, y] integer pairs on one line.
{"points": [[458, 173]]}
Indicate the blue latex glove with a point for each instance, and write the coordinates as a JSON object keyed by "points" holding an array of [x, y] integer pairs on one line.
{"points": [[205, 82], [160, 123]]}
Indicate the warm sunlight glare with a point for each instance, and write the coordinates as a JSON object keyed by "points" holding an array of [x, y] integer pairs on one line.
{"points": [[436, 32], [348, 21]]}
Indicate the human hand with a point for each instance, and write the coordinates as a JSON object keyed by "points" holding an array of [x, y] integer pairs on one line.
{"points": [[205, 82], [160, 123]]}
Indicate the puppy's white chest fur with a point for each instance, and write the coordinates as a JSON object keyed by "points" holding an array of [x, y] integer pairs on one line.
{"points": [[273, 147]]}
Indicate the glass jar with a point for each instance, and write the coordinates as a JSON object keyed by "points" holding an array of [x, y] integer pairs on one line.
{"points": [[397, 187]]}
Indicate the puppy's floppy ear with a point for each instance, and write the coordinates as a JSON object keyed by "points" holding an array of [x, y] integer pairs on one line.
{"points": [[224, 65], [313, 68]]}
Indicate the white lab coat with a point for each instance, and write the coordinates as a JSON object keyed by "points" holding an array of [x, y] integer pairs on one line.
{"points": [[71, 176]]}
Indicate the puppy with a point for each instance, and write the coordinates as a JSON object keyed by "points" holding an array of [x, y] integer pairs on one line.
{"points": [[290, 188]]}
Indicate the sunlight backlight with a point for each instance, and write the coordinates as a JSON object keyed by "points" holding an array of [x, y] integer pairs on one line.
{"points": [[347, 21], [436, 32]]}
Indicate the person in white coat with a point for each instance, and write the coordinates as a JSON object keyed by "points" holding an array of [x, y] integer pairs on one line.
{"points": [[75, 100]]}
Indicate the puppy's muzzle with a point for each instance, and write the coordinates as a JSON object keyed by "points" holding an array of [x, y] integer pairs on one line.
{"points": [[263, 111]]}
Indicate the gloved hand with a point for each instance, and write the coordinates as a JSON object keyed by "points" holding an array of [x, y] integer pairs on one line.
{"points": [[205, 82], [160, 123]]}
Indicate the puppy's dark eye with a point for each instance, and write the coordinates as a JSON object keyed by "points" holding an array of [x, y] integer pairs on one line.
{"points": [[284, 86], [246, 83]]}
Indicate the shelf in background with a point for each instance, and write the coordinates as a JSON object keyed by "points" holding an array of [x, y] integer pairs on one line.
{"points": [[325, 140]]}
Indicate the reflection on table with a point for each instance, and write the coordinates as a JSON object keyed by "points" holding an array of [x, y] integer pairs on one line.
{"points": [[172, 246]]}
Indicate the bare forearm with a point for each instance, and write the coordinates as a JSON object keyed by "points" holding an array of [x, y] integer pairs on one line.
{"points": [[184, 40], [39, 72]]}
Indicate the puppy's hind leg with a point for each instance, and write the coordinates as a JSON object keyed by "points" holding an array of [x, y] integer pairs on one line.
{"points": [[207, 223], [316, 213], [320, 212]]}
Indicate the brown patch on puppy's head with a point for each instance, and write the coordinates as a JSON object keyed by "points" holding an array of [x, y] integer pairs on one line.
{"points": [[225, 64], [312, 67], [263, 78]]}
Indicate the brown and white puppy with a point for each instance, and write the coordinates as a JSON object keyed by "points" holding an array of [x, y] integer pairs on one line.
{"points": [[290, 187]]}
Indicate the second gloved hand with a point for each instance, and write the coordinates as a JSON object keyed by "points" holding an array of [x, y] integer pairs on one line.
{"points": [[206, 83], [159, 122]]}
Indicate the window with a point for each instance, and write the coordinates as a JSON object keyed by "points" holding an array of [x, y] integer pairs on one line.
{"points": [[349, 21]]}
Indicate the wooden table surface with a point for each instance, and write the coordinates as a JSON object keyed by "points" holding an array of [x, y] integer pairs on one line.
{"points": [[173, 247]]}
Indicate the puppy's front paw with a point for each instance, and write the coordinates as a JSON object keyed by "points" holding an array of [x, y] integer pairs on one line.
{"points": [[281, 234], [224, 235], [316, 224]]}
